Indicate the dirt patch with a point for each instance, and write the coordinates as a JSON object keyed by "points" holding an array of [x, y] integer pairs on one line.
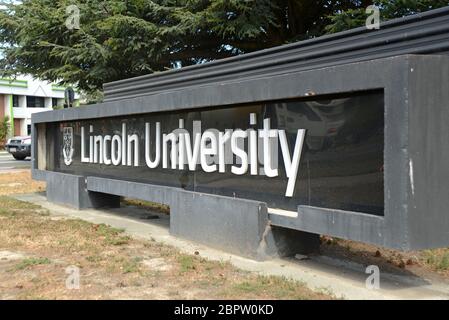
{"points": [[157, 264], [432, 264], [6, 256]]}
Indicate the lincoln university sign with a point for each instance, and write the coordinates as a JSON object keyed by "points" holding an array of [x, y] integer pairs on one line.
{"points": [[345, 135]]}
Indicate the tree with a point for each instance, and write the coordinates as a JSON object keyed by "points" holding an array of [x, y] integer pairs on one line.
{"points": [[119, 39], [4, 129], [389, 9]]}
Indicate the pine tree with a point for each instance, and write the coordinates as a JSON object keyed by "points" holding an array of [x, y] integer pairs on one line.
{"points": [[119, 39]]}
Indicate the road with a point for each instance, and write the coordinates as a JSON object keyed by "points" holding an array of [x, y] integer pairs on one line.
{"points": [[7, 162]]}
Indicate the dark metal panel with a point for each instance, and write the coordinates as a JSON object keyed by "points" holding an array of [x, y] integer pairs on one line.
{"points": [[340, 167], [34, 160], [410, 222], [428, 153], [378, 74], [50, 141], [416, 169], [395, 153], [350, 77]]}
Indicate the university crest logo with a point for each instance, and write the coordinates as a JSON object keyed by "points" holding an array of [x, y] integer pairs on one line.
{"points": [[67, 149]]}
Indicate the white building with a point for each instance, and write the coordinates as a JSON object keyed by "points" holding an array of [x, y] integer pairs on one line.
{"points": [[23, 96]]}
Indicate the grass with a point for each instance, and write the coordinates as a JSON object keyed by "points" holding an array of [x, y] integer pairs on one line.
{"points": [[152, 206], [438, 259], [131, 266], [277, 287], [10, 207], [187, 263], [29, 262], [110, 261], [19, 182], [112, 236], [118, 241], [115, 266], [13, 204]]}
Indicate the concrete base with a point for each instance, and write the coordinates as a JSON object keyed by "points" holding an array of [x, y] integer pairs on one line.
{"points": [[229, 224], [71, 190], [282, 242], [234, 225]]}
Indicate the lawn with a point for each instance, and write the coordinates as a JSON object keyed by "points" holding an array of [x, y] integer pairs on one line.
{"points": [[38, 250]]}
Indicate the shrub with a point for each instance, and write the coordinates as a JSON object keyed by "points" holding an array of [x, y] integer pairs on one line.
{"points": [[4, 130]]}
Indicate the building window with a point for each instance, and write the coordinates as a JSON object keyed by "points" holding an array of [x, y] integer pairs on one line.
{"points": [[35, 102], [15, 101], [29, 130], [54, 102]]}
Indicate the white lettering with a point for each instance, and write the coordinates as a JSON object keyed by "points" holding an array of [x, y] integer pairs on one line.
{"points": [[116, 150], [291, 166], [208, 150], [239, 152], [266, 133], [157, 158], [213, 149], [106, 159], [84, 159], [133, 140]]}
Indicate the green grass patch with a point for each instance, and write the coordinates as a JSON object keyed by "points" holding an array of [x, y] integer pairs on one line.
{"points": [[117, 241], [94, 259], [112, 236], [437, 259], [10, 207], [105, 230], [30, 262], [132, 265], [11, 203], [187, 263], [279, 287]]}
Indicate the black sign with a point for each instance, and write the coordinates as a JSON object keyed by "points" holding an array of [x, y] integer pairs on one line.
{"points": [[324, 152]]}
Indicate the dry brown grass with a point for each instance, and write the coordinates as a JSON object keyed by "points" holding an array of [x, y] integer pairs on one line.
{"points": [[19, 182], [36, 248], [153, 206], [115, 266]]}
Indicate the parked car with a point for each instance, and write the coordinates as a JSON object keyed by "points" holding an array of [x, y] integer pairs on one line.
{"points": [[19, 147]]}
